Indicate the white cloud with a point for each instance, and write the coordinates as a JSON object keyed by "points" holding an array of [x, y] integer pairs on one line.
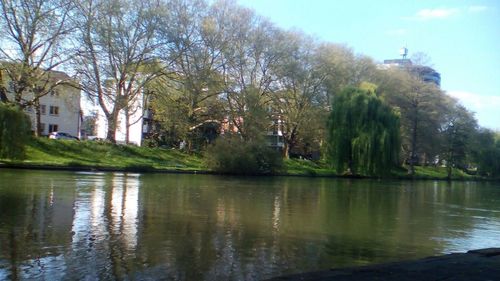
{"points": [[443, 13], [477, 9], [439, 13], [476, 101]]}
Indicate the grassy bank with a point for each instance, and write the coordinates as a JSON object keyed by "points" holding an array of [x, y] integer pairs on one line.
{"points": [[105, 155], [99, 155]]}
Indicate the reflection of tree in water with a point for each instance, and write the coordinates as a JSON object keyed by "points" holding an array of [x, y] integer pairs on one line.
{"points": [[178, 227], [32, 226]]}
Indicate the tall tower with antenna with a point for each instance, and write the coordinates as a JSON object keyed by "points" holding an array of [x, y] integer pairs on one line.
{"points": [[403, 52]]}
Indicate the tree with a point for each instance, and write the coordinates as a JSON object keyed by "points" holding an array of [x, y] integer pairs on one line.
{"points": [[421, 105], [363, 133], [256, 45], [300, 103], [89, 124], [33, 46], [342, 68], [117, 55], [486, 152], [458, 132], [188, 101], [14, 131]]}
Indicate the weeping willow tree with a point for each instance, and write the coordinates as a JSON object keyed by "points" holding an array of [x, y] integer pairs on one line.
{"points": [[364, 133]]}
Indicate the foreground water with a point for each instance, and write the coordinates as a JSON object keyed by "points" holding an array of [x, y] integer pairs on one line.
{"points": [[69, 226]]}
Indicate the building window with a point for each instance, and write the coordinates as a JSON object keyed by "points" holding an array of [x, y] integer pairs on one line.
{"points": [[43, 109], [42, 127], [54, 110], [53, 128]]}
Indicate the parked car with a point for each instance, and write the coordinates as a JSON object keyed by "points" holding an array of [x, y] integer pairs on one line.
{"points": [[95, 138], [61, 136]]}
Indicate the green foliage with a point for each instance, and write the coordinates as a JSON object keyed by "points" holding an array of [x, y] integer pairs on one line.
{"points": [[486, 153], [15, 131], [364, 133], [233, 155], [457, 133]]}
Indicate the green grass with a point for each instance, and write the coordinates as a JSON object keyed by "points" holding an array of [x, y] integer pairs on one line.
{"points": [[64, 153], [302, 167], [431, 172], [105, 155]]}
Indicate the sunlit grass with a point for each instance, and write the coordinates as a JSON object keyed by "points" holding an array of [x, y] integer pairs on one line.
{"points": [[92, 154], [105, 155], [307, 168]]}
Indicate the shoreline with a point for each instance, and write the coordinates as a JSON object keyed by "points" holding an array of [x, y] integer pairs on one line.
{"points": [[145, 169], [474, 265]]}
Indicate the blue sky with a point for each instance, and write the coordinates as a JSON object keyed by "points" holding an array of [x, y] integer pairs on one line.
{"points": [[462, 38]]}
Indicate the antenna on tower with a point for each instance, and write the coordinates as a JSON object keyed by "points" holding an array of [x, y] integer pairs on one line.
{"points": [[403, 52]]}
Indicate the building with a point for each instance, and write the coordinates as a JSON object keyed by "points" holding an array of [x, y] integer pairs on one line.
{"points": [[132, 120], [59, 109], [427, 74]]}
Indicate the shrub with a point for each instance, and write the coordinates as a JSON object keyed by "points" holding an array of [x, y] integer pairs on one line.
{"points": [[15, 131], [233, 155]]}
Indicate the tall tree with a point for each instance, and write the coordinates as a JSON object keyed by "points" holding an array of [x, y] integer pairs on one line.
{"points": [[196, 58], [33, 45], [117, 55], [256, 45], [458, 131], [300, 103], [420, 105], [486, 152], [364, 133]]}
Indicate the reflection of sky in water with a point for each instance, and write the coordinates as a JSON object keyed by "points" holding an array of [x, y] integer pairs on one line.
{"points": [[4, 273], [93, 233], [90, 219], [125, 207], [244, 232], [484, 231], [43, 268]]}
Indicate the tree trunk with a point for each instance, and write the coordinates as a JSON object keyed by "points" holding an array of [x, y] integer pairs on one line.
{"points": [[112, 124], [413, 152], [286, 150], [38, 123], [127, 125]]}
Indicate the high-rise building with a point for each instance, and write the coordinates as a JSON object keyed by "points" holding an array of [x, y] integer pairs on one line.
{"points": [[426, 73]]}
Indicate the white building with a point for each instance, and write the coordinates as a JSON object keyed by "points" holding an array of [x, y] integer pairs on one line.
{"points": [[59, 110], [136, 126]]}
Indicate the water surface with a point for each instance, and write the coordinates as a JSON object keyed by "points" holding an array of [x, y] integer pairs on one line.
{"points": [[70, 226]]}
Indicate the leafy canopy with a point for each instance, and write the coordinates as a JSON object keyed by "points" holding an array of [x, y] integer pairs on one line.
{"points": [[363, 133]]}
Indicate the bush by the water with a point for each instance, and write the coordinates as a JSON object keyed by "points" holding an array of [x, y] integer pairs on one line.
{"points": [[233, 155], [15, 130]]}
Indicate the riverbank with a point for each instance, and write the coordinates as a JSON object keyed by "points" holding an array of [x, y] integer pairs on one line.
{"points": [[474, 265], [101, 156]]}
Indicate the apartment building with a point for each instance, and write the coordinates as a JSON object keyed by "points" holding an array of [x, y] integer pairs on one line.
{"points": [[60, 109], [60, 112]]}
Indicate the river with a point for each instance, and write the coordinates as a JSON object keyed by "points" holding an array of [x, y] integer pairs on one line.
{"points": [[100, 226]]}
